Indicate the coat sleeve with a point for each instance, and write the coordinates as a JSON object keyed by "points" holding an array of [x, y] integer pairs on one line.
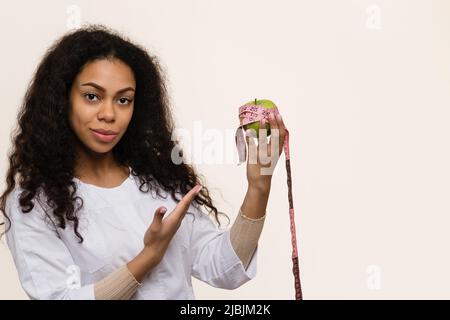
{"points": [[45, 266], [213, 258]]}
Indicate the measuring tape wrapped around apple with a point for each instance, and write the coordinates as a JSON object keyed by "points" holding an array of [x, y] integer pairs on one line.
{"points": [[250, 115]]}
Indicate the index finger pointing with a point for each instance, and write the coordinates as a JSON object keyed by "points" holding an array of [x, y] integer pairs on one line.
{"points": [[185, 202]]}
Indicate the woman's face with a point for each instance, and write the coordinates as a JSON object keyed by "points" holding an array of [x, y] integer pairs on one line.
{"points": [[102, 98]]}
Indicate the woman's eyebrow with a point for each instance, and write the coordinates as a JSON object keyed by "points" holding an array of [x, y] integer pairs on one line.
{"points": [[92, 84]]}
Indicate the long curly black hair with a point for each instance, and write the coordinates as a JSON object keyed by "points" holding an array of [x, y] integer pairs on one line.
{"points": [[43, 143]]}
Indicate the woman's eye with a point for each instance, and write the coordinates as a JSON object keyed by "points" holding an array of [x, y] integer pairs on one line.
{"points": [[91, 96], [124, 101]]}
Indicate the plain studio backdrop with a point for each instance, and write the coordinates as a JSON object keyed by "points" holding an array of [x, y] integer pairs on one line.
{"points": [[363, 87]]}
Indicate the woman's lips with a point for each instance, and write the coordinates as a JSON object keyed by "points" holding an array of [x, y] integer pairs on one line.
{"points": [[104, 137]]}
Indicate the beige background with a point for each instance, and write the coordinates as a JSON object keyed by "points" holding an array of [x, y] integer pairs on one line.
{"points": [[364, 89]]}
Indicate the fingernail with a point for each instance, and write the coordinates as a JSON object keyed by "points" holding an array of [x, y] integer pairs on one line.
{"points": [[163, 210], [198, 190]]}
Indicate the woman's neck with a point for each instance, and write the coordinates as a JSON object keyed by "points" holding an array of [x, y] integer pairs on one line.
{"points": [[100, 169]]}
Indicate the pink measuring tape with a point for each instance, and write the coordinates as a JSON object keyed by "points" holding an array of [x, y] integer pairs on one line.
{"points": [[250, 113]]}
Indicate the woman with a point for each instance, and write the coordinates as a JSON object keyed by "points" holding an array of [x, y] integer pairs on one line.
{"points": [[92, 154]]}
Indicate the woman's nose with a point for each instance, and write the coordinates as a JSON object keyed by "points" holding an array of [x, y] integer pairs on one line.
{"points": [[106, 111]]}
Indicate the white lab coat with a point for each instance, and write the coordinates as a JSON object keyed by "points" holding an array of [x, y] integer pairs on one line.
{"points": [[52, 264]]}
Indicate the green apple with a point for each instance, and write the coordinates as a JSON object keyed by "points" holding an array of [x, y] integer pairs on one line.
{"points": [[255, 125]]}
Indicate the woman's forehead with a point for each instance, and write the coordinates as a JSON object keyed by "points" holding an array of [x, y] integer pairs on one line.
{"points": [[110, 74]]}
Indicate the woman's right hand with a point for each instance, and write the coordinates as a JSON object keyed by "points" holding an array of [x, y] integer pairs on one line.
{"points": [[158, 236], [161, 231]]}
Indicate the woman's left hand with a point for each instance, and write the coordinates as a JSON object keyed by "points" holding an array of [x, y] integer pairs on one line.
{"points": [[262, 158]]}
